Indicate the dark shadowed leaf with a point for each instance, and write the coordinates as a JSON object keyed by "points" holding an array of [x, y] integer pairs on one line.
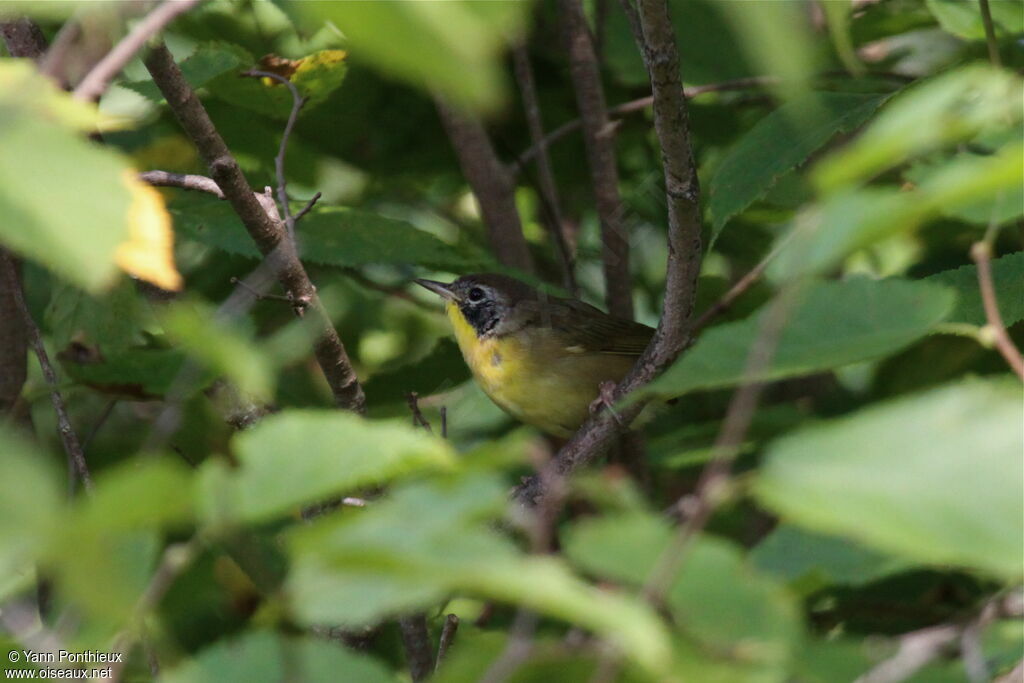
{"points": [[1008, 277]]}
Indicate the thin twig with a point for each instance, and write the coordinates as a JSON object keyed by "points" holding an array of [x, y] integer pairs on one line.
{"points": [[444, 422], [517, 650], [599, 143], [548, 187], [413, 401], [451, 626], [266, 232], [990, 33], [108, 410], [308, 207], [981, 253], [72, 447], [282, 181], [185, 181], [640, 104], [257, 293], [96, 81], [416, 642]]}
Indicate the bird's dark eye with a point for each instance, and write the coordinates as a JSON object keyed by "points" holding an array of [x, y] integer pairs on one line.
{"points": [[476, 295]]}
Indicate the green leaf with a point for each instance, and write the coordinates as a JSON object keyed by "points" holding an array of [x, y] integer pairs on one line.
{"points": [[64, 200], [110, 323], [778, 143], [954, 106], [301, 457], [333, 236], [935, 477], [815, 560], [261, 656], [855, 218], [833, 324], [207, 62], [440, 370], [429, 539], [1007, 275], [220, 347], [30, 501], [315, 76], [429, 44], [714, 597], [963, 18]]}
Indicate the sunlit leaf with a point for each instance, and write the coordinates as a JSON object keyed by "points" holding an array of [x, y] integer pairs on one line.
{"points": [[833, 324], [935, 477], [148, 254], [963, 17]]}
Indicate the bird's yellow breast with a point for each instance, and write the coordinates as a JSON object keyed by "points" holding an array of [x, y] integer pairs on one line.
{"points": [[534, 375]]}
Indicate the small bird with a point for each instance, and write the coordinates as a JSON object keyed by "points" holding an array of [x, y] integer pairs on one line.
{"points": [[540, 358]]}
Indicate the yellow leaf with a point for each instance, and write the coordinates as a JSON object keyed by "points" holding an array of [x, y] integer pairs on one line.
{"points": [[149, 252]]}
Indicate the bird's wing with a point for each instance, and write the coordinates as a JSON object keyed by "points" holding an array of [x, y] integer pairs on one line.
{"points": [[595, 331]]}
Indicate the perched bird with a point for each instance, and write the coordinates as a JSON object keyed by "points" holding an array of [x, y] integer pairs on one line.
{"points": [[542, 359]]}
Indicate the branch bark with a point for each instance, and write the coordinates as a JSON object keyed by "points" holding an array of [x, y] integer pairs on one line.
{"points": [[416, 641], [99, 77], [684, 248], [599, 141], [548, 187], [981, 253], [267, 233], [23, 39], [492, 184]]}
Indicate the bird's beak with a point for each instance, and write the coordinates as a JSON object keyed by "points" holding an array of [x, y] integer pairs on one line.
{"points": [[441, 289]]}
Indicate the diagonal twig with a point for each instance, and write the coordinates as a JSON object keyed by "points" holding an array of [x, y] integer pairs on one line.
{"points": [[96, 81], [981, 253], [68, 437], [267, 233]]}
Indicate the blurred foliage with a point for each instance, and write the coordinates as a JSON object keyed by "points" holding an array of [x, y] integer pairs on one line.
{"points": [[877, 491]]}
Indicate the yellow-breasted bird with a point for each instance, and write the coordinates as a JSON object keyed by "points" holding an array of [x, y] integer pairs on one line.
{"points": [[542, 359]]}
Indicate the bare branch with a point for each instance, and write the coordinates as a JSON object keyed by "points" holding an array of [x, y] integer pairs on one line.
{"points": [[416, 641], [451, 626], [491, 183], [308, 207], [198, 183], [548, 187], [264, 230], [599, 141], [981, 253], [76, 458], [13, 336], [282, 181], [990, 33], [96, 81], [413, 401], [684, 249]]}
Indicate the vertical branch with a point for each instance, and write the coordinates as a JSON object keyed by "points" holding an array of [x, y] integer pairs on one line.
{"points": [[990, 33], [492, 184], [684, 248], [548, 188], [981, 253], [264, 230], [598, 137], [76, 458], [416, 640], [23, 39]]}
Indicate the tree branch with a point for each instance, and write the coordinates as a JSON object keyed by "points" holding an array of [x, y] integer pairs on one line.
{"points": [[451, 626], [684, 249], [418, 652], [981, 253], [13, 336], [265, 232], [23, 38], [96, 81], [548, 187], [198, 183], [76, 458], [599, 141], [990, 33], [492, 184]]}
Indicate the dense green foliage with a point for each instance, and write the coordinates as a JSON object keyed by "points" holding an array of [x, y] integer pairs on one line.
{"points": [[879, 489]]}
